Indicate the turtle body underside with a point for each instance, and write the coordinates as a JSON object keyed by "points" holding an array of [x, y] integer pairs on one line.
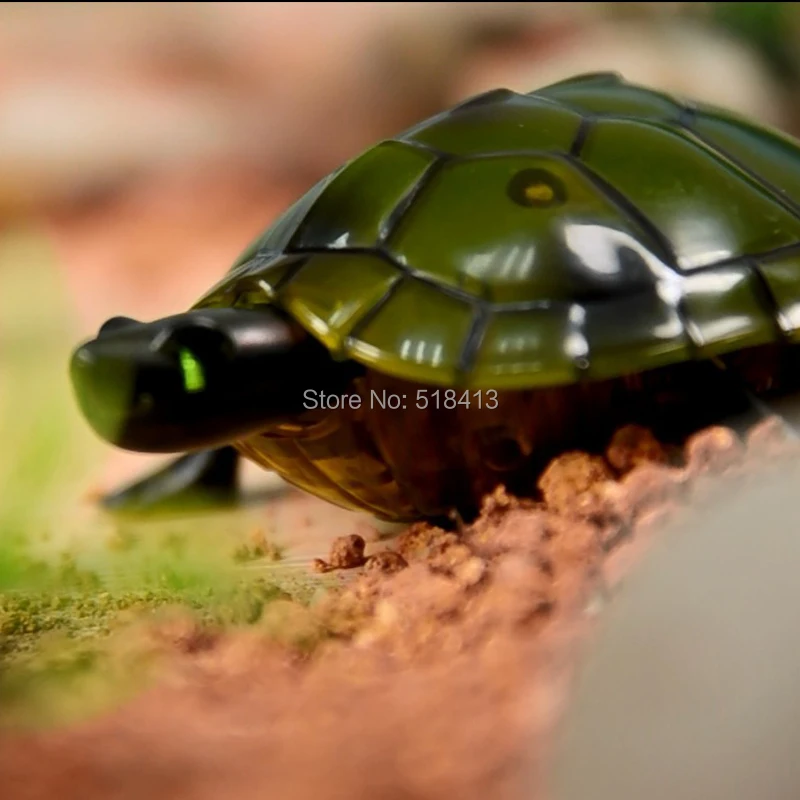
{"points": [[411, 451]]}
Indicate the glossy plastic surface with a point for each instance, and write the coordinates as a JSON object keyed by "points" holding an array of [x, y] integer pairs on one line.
{"points": [[522, 244], [591, 229]]}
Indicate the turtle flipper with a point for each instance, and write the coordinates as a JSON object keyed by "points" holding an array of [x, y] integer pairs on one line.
{"points": [[204, 479]]}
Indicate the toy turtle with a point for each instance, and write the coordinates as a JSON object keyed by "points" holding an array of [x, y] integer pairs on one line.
{"points": [[509, 279]]}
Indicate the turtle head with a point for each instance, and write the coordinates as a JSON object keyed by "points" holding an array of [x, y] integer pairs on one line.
{"points": [[199, 379]]}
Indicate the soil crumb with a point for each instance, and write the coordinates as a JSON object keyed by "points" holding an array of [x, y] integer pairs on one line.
{"points": [[439, 670], [633, 445], [386, 562], [346, 552]]}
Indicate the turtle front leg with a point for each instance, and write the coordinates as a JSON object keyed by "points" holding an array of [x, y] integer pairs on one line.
{"points": [[204, 479]]}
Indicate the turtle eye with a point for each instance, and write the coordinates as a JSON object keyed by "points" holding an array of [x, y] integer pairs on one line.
{"points": [[194, 375], [199, 352], [536, 188]]}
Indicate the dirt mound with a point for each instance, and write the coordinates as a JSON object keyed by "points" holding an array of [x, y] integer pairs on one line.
{"points": [[438, 670]]}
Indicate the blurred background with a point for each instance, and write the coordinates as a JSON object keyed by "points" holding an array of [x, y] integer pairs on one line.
{"points": [[143, 145], [690, 688]]}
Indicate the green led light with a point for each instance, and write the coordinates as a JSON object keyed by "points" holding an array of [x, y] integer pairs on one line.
{"points": [[193, 378]]}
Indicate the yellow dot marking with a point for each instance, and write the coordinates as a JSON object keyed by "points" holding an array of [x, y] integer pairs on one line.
{"points": [[539, 192]]}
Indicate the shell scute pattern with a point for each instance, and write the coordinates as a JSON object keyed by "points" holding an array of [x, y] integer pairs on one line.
{"points": [[355, 210], [465, 233], [684, 191], [493, 123], [650, 231]]}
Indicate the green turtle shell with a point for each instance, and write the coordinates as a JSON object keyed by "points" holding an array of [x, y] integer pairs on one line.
{"points": [[590, 229]]}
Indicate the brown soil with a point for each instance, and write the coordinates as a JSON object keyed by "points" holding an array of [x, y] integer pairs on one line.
{"points": [[445, 662]]}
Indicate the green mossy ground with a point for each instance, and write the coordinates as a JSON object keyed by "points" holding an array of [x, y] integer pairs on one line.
{"points": [[72, 580], [68, 634]]}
